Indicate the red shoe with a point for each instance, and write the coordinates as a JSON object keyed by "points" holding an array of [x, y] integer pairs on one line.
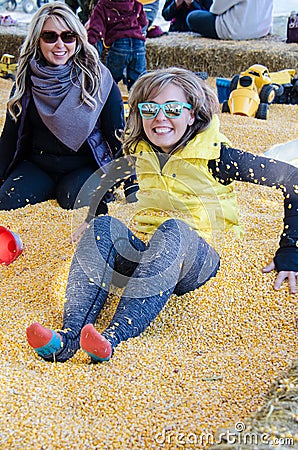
{"points": [[96, 345], [44, 341]]}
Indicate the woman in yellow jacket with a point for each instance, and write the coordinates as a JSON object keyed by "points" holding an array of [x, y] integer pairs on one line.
{"points": [[185, 169]]}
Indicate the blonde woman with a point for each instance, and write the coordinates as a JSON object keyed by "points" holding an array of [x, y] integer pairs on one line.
{"points": [[63, 115]]}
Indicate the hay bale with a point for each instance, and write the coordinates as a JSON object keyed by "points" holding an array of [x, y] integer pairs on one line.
{"points": [[11, 38], [219, 57]]}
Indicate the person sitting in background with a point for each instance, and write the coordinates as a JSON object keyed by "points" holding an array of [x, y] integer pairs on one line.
{"points": [[119, 26], [176, 11], [62, 118], [233, 19]]}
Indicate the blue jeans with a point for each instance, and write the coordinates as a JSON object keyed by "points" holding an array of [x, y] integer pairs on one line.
{"points": [[126, 60], [202, 22]]}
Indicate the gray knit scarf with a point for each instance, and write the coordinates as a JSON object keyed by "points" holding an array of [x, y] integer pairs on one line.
{"points": [[56, 93]]}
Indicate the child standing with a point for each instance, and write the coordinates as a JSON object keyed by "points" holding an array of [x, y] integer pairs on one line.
{"points": [[185, 169], [120, 26]]}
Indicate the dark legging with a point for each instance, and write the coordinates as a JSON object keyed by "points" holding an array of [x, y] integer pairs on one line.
{"points": [[28, 184], [202, 22], [176, 260]]}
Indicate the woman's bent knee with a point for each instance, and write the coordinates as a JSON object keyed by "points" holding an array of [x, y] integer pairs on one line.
{"points": [[171, 224]]}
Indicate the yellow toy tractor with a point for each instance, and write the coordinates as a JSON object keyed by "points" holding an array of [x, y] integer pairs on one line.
{"points": [[254, 90], [7, 66]]}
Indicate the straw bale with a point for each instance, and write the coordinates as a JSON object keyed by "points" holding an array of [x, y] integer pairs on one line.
{"points": [[11, 38], [216, 57], [207, 362], [219, 57]]}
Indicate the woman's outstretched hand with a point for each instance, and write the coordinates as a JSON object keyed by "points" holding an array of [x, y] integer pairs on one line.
{"points": [[79, 231], [281, 276]]}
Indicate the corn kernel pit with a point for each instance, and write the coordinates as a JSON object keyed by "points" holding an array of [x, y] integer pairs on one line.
{"points": [[205, 363]]}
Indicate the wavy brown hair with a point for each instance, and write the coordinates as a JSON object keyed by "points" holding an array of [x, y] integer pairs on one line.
{"points": [[85, 59], [202, 98]]}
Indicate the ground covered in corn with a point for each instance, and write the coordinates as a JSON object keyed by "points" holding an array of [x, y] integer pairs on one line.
{"points": [[206, 363]]}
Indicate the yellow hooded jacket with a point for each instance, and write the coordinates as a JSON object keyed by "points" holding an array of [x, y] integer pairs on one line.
{"points": [[184, 188]]}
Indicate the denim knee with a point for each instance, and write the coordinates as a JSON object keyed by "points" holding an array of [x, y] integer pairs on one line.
{"points": [[174, 224]]}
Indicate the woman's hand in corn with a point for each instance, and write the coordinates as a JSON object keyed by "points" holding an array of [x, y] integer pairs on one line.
{"points": [[282, 276]]}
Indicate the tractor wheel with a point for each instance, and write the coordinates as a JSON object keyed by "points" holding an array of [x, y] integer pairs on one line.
{"points": [[267, 94], [279, 89], [280, 93], [294, 92], [225, 107], [263, 111]]}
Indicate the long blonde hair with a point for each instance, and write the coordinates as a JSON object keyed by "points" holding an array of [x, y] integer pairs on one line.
{"points": [[85, 59], [202, 98]]}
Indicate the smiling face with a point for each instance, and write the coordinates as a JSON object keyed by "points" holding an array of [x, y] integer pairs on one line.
{"points": [[57, 53], [162, 131]]}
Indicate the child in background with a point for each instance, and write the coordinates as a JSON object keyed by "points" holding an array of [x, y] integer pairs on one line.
{"points": [[120, 26], [185, 168]]}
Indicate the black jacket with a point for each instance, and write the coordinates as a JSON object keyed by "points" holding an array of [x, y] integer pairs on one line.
{"points": [[14, 140]]}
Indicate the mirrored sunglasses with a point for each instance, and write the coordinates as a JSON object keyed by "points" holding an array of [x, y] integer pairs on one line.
{"points": [[172, 110], [50, 37]]}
